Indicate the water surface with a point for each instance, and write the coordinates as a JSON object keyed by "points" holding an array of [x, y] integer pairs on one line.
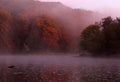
{"points": [[56, 68]]}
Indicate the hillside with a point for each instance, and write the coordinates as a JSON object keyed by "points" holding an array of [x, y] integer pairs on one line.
{"points": [[72, 19], [62, 25]]}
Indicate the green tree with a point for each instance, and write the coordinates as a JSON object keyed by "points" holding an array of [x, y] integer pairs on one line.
{"points": [[106, 22], [104, 38], [112, 37], [92, 39]]}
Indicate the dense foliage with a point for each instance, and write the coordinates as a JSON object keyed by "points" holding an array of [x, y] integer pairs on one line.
{"points": [[102, 38], [40, 26], [31, 34], [34, 25]]}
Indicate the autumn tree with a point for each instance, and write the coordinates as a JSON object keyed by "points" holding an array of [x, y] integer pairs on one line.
{"points": [[5, 30], [20, 34], [46, 35], [22, 30]]}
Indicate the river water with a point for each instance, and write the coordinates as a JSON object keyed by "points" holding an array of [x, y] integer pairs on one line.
{"points": [[56, 68]]}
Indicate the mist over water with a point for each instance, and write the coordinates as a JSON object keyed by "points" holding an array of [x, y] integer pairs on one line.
{"points": [[59, 69], [34, 32]]}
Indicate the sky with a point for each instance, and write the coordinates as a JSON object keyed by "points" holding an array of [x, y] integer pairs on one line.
{"points": [[90, 4], [108, 7]]}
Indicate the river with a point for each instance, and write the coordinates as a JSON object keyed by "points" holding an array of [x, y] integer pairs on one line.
{"points": [[56, 68]]}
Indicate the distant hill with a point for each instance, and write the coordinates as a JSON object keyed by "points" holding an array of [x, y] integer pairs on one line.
{"points": [[71, 22], [71, 19]]}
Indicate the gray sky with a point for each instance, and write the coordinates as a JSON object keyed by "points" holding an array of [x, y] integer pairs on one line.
{"points": [[108, 7], [90, 4]]}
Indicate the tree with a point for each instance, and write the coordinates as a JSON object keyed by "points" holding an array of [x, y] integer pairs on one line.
{"points": [[5, 30], [46, 35], [91, 39], [112, 37], [5, 17], [20, 33], [96, 39], [106, 22]]}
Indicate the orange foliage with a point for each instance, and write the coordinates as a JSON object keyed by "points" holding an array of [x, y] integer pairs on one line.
{"points": [[51, 36], [49, 33], [26, 28], [5, 16]]}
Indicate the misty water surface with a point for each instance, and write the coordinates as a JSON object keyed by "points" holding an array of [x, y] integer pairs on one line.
{"points": [[51, 68]]}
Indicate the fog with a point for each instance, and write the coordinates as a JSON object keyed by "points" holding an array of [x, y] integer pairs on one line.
{"points": [[51, 31], [58, 68], [93, 5], [71, 20], [113, 12], [56, 60]]}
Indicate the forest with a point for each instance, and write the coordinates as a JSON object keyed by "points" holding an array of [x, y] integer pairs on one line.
{"points": [[25, 32], [36, 34], [40, 27], [102, 38]]}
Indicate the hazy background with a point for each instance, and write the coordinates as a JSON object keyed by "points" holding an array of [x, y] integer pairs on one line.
{"points": [[109, 7], [32, 15]]}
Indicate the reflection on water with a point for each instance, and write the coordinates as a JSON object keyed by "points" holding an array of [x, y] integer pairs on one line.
{"points": [[58, 69]]}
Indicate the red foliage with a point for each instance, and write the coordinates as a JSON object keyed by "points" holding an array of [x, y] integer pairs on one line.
{"points": [[25, 30]]}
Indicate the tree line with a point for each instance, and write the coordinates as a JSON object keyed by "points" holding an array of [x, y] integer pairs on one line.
{"points": [[26, 28], [24, 34], [102, 38]]}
